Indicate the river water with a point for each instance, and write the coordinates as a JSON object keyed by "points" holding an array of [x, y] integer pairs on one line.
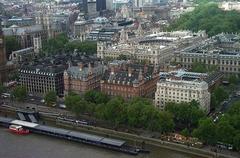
{"points": [[39, 146]]}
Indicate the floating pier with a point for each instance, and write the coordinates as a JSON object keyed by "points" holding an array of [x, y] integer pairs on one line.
{"points": [[109, 143]]}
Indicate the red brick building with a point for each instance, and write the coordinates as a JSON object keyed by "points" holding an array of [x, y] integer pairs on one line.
{"points": [[83, 77], [131, 81]]}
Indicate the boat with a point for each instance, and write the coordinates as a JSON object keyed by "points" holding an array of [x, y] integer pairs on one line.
{"points": [[18, 129]]}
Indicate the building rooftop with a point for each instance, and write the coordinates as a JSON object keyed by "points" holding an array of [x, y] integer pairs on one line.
{"points": [[83, 72], [134, 75], [42, 70]]}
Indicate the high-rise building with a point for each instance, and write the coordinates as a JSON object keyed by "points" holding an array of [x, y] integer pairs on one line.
{"points": [[109, 4], [101, 5], [139, 3], [83, 6]]}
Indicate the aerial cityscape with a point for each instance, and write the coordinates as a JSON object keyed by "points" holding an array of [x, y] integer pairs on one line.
{"points": [[120, 78]]}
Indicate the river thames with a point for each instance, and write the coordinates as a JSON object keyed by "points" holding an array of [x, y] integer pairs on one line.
{"points": [[39, 146]]}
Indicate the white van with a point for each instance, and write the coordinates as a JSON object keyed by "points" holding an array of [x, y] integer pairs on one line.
{"points": [[63, 106]]}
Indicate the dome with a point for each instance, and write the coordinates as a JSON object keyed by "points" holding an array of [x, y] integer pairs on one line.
{"points": [[101, 20]]}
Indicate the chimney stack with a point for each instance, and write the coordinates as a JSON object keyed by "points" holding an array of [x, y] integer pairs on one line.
{"points": [[155, 69], [145, 69], [90, 70], [69, 64], [140, 75]]}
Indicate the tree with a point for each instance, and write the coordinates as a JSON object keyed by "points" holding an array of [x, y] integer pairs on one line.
{"points": [[13, 76], [50, 97], [235, 121], [203, 68], [166, 122], [55, 45], [71, 101], [2, 88], [11, 45], [233, 79], [214, 102], [236, 141], [220, 94], [199, 67], [122, 57], [19, 93], [138, 112], [86, 47], [235, 109], [185, 132], [96, 97], [78, 105], [186, 115], [234, 115], [206, 131], [115, 110], [209, 17], [225, 132]]}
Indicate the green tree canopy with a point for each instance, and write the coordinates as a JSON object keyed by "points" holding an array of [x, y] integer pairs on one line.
{"points": [[137, 112], [122, 57], [55, 45], [96, 97], [186, 115], [220, 95], [225, 131], [87, 46], [236, 141], [11, 45], [206, 131], [210, 18], [19, 93], [2, 88], [233, 79], [115, 110], [78, 105], [50, 97], [203, 68]]}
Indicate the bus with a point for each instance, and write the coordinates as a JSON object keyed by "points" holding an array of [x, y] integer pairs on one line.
{"points": [[224, 146]]}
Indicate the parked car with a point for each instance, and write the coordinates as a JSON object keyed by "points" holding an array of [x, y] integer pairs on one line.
{"points": [[63, 106]]}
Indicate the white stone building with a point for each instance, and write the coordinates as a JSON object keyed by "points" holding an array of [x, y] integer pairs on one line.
{"points": [[221, 51], [230, 5], [157, 48], [175, 90]]}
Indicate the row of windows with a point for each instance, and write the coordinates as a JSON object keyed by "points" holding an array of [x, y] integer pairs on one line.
{"points": [[172, 85], [221, 68], [173, 100], [119, 94], [173, 97], [177, 92], [178, 95], [117, 88], [224, 62]]}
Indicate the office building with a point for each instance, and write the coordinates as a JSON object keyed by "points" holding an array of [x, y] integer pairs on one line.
{"points": [[183, 87]]}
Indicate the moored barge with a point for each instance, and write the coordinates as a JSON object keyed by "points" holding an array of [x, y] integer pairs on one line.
{"points": [[109, 143]]}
